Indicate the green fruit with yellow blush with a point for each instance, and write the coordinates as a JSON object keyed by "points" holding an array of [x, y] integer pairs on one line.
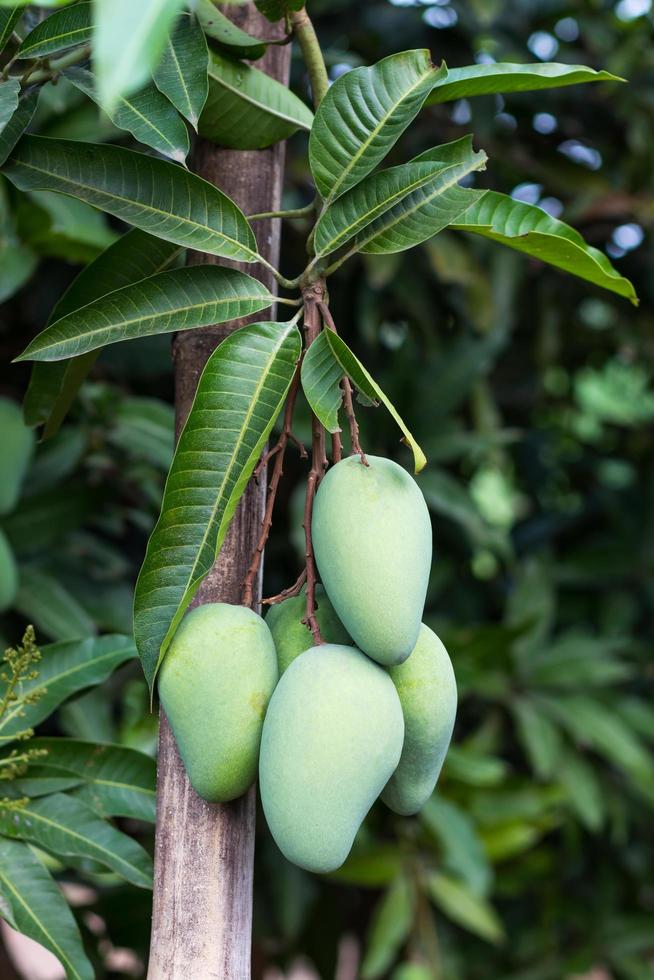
{"points": [[372, 541], [426, 687], [17, 449], [214, 684], [331, 740], [291, 635]]}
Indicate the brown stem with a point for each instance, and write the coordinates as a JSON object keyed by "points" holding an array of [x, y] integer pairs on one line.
{"points": [[292, 590], [348, 401], [337, 447]]}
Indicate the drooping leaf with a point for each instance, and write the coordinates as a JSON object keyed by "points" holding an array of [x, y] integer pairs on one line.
{"points": [[53, 386], [274, 10], [118, 781], [239, 396], [181, 299], [462, 850], [151, 194], [182, 72], [65, 669], [465, 908], [390, 927], [66, 826], [461, 83], [531, 230], [540, 737], [247, 109], [9, 92], [144, 428], [323, 367], [128, 41], [64, 29], [146, 114], [22, 117], [362, 116], [66, 229], [54, 611], [17, 260], [221, 29], [38, 908], [8, 20]]}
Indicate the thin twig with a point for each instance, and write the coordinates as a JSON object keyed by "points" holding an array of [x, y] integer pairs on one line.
{"points": [[303, 212], [277, 451], [348, 401], [292, 590]]}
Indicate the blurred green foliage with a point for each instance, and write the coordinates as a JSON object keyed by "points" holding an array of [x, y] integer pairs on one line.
{"points": [[531, 394]]}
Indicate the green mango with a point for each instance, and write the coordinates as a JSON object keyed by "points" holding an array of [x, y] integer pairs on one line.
{"points": [[8, 574], [292, 637], [372, 541], [17, 448], [215, 683], [426, 687], [331, 740]]}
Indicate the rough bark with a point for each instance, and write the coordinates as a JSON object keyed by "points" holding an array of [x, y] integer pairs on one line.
{"points": [[202, 913]]}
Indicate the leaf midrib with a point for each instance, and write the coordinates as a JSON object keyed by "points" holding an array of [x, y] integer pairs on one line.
{"points": [[55, 38], [268, 110]]}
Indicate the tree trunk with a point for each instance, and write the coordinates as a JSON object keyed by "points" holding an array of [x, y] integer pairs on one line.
{"points": [[202, 913]]}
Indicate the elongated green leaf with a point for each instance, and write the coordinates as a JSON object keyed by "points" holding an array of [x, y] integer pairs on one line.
{"points": [[22, 117], [65, 669], [180, 299], [389, 929], [431, 207], [247, 109], [118, 782], [69, 827], [38, 908], [531, 230], [53, 386], [323, 367], [182, 71], [9, 92], [239, 396], [146, 114], [128, 41], [64, 29], [461, 83], [44, 601], [17, 260], [465, 908], [363, 115], [276, 9], [151, 194], [41, 781], [220, 28], [8, 20], [379, 192]]}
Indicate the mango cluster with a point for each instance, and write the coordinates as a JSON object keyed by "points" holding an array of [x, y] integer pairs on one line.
{"points": [[368, 713]]}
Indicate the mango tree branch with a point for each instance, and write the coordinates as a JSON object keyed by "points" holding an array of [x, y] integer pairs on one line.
{"points": [[312, 54], [348, 401]]}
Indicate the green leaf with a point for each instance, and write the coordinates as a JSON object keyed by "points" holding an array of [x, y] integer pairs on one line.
{"points": [[540, 738], [17, 260], [182, 71], [465, 908], [128, 41], [22, 117], [180, 299], [9, 92], [239, 396], [64, 29], [8, 20], [67, 827], [446, 496], [247, 109], [531, 230], [363, 115], [220, 28], [323, 367], [44, 601], [63, 228], [274, 10], [144, 428], [151, 194], [53, 386], [65, 669], [583, 789], [118, 781], [146, 114], [430, 208], [42, 3], [390, 927], [41, 781], [38, 908], [461, 83], [463, 853]]}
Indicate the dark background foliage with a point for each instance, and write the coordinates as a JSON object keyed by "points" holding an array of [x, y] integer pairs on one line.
{"points": [[531, 394]]}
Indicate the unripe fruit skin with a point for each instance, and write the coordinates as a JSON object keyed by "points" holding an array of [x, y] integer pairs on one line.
{"points": [[331, 740], [8, 574], [214, 684], [17, 449], [372, 541], [426, 686], [290, 634]]}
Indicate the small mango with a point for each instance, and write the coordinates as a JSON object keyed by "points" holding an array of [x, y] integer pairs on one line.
{"points": [[8, 574], [426, 686], [17, 448], [372, 541], [331, 740], [215, 683], [290, 634]]}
